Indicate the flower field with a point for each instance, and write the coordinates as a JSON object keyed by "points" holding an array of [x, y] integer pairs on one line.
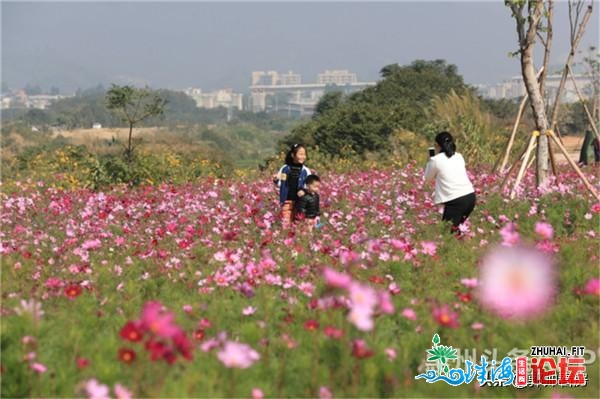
{"points": [[196, 291]]}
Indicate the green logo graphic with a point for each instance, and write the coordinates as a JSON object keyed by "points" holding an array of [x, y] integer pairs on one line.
{"points": [[441, 353]]}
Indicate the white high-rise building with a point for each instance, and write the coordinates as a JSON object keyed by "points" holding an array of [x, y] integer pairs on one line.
{"points": [[338, 77]]}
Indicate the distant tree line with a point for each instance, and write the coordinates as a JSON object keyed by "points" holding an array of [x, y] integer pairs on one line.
{"points": [[89, 106]]}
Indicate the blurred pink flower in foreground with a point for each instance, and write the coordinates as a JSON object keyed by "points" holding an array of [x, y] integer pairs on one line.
{"points": [[517, 282], [237, 355]]}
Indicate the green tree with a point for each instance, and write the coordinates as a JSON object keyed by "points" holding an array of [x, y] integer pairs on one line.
{"points": [[133, 105], [365, 121], [329, 101]]}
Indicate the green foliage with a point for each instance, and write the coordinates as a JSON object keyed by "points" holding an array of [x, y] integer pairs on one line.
{"points": [[479, 139], [574, 118]]}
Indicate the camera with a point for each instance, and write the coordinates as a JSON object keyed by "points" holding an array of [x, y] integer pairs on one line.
{"points": [[431, 151]]}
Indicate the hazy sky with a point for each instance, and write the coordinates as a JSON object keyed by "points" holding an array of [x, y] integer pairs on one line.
{"points": [[216, 45]]}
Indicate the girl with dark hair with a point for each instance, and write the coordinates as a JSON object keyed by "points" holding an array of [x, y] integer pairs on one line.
{"points": [[452, 185], [290, 181]]}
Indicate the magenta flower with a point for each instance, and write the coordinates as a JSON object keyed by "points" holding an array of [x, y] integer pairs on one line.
{"points": [[592, 287], [158, 321], [236, 355], [444, 317], [516, 282], [544, 230]]}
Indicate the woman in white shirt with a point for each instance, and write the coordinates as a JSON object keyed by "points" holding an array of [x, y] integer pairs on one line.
{"points": [[452, 185]]}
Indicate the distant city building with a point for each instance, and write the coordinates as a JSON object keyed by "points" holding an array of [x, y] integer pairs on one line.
{"points": [[337, 77], [515, 88], [290, 78], [226, 98], [274, 78], [272, 91], [20, 99], [268, 78], [6, 102]]}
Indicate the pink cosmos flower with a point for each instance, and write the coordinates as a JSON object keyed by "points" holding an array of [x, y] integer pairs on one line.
{"points": [[122, 393], [95, 390], [91, 244], [159, 322], [250, 310], [236, 355], [469, 282], [325, 393], [510, 236], [363, 300], [477, 326], [385, 302], [592, 287], [38, 368], [428, 248], [362, 318], [516, 282], [391, 354], [444, 317], [409, 314], [257, 394], [362, 296], [544, 230], [335, 279]]}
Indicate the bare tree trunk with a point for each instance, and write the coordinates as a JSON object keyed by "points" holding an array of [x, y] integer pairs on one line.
{"points": [[129, 148], [527, 41]]}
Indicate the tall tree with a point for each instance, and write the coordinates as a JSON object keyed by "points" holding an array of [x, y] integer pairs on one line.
{"points": [[528, 16], [133, 105]]}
